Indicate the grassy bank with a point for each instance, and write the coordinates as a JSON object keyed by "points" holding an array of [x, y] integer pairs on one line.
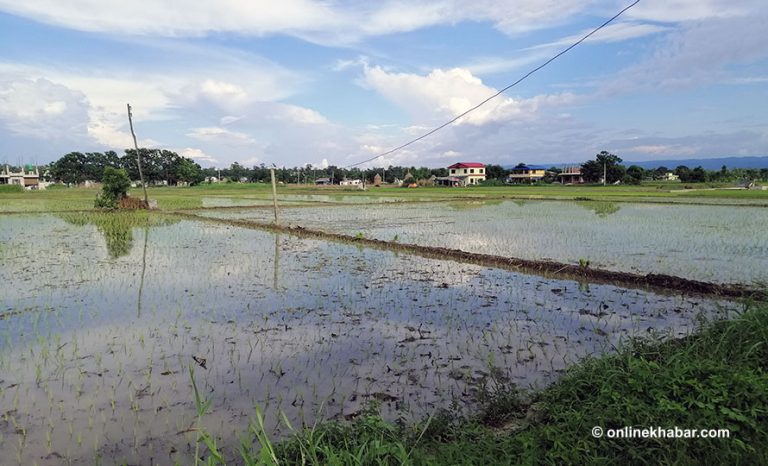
{"points": [[715, 379]]}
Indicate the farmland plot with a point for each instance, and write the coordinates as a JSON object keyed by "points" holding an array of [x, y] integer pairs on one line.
{"points": [[98, 333], [709, 243]]}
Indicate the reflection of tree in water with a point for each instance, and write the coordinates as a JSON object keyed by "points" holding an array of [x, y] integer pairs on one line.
{"points": [[117, 227], [601, 208]]}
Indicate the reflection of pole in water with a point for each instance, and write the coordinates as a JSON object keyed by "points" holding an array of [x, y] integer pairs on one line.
{"points": [[277, 260], [143, 268]]}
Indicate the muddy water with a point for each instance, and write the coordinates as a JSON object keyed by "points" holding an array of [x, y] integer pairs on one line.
{"points": [[96, 347], [708, 243]]}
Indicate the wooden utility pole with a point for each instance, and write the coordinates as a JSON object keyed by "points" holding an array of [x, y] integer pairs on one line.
{"points": [[138, 158], [274, 191]]}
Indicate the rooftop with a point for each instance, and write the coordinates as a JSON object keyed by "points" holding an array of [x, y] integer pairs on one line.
{"points": [[529, 167], [467, 165]]}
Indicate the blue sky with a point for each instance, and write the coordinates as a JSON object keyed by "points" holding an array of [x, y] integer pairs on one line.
{"points": [[298, 82]]}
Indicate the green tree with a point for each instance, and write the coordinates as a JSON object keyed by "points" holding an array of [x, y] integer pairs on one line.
{"points": [[115, 187], [71, 168], [188, 171], [237, 171], [683, 172], [592, 171], [697, 175], [495, 172], [635, 174], [660, 172]]}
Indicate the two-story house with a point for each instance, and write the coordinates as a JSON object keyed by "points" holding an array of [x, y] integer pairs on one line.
{"points": [[468, 173], [523, 173]]}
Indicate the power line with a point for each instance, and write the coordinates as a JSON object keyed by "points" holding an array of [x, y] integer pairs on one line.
{"points": [[434, 130]]}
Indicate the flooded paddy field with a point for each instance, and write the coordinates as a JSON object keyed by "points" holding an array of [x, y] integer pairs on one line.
{"points": [[100, 326], [709, 243], [265, 199]]}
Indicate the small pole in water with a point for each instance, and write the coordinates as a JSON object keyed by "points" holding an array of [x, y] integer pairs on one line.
{"points": [[274, 190]]}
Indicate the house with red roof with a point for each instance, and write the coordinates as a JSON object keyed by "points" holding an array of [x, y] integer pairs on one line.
{"points": [[467, 173]]}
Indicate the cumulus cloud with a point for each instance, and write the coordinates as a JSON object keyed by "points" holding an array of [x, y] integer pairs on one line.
{"points": [[44, 109], [445, 94]]}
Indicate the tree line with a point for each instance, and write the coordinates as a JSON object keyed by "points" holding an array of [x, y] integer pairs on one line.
{"points": [[310, 174], [593, 170], [158, 166], [163, 166]]}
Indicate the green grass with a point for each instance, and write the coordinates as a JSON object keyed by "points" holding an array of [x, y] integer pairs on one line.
{"points": [[715, 379], [170, 198], [11, 188]]}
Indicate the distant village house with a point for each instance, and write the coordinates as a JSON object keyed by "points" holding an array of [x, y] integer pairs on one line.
{"points": [[463, 174], [669, 176], [351, 183], [571, 175], [27, 178], [523, 173]]}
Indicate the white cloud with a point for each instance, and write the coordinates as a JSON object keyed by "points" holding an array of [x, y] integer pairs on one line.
{"points": [[251, 161], [324, 22], [296, 114], [221, 135], [179, 18], [612, 33], [43, 109], [704, 145], [492, 65], [197, 155], [692, 10], [697, 55], [445, 94], [225, 120], [665, 150]]}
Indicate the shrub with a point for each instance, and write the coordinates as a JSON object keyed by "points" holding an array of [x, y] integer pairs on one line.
{"points": [[115, 187]]}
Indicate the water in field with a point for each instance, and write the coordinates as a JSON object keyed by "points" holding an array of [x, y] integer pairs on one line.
{"points": [[101, 320], [265, 199], [711, 243]]}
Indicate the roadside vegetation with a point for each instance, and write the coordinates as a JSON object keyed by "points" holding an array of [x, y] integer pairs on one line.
{"points": [[715, 379]]}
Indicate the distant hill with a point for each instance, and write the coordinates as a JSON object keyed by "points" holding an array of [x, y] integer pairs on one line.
{"points": [[707, 164]]}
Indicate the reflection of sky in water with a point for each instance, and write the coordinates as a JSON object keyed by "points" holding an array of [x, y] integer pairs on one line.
{"points": [[265, 199], [711, 243], [332, 325]]}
